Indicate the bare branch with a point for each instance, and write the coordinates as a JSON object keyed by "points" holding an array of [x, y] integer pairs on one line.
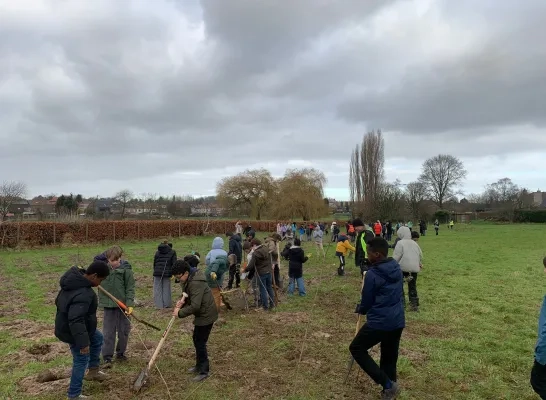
{"points": [[10, 192]]}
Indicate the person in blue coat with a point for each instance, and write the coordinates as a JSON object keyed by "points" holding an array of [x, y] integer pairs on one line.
{"points": [[382, 303], [538, 373]]}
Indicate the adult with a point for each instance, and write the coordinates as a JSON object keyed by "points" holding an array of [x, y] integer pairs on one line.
{"points": [[436, 226], [164, 259], [271, 244], [235, 248], [317, 238], [239, 228], [361, 240], [260, 264], [389, 231]]}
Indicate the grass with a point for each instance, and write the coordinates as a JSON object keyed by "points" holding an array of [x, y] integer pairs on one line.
{"points": [[480, 291]]}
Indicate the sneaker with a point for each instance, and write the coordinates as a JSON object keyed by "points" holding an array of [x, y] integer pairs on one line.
{"points": [[93, 374], [81, 396], [392, 393], [122, 358], [201, 377], [107, 363], [192, 370]]}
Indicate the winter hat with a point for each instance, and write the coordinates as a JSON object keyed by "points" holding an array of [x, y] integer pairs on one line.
{"points": [[358, 222]]}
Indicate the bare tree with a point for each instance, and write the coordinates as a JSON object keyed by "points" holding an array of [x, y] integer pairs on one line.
{"points": [[501, 192], [416, 193], [10, 192], [441, 175], [367, 172], [124, 198], [389, 201], [150, 202]]}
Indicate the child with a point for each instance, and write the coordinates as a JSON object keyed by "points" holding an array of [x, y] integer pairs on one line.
{"points": [[121, 284], [248, 249], [343, 245], [317, 237], [260, 265], [271, 244], [217, 264], [296, 257], [235, 250], [382, 304], [538, 373], [164, 259], [199, 303], [409, 255], [289, 237], [301, 231], [436, 226], [76, 323]]}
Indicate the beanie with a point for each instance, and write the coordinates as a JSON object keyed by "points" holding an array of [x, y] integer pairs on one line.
{"points": [[358, 222]]}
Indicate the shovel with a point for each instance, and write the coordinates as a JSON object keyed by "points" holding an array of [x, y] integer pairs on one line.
{"points": [[125, 308], [144, 374], [351, 359]]}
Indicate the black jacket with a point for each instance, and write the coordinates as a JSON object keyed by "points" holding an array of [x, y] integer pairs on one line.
{"points": [[236, 247], [296, 257], [76, 318], [164, 259], [360, 253]]}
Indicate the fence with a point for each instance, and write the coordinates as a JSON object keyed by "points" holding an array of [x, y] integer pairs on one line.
{"points": [[13, 234]]}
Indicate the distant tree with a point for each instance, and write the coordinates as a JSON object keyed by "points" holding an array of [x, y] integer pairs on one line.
{"points": [[300, 194], [10, 192], [150, 202], [79, 199], [249, 192], [441, 175], [389, 201], [416, 193], [124, 198]]}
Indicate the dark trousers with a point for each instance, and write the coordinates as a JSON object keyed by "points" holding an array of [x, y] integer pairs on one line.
{"points": [[234, 274], [200, 338], [277, 275], [341, 269], [115, 321], [365, 339], [411, 278], [538, 379]]}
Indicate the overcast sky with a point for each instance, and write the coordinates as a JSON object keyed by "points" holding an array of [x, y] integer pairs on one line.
{"points": [[169, 96]]}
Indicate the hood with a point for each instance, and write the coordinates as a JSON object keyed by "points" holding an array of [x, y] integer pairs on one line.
{"points": [[102, 257], [389, 270], [124, 264], [218, 243], [342, 238], [368, 228], [237, 238], [199, 276], [73, 279], [296, 250], [404, 233], [164, 248]]}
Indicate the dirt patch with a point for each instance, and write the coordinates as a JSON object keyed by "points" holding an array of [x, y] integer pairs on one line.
{"points": [[39, 349], [26, 329], [415, 357], [289, 318], [419, 329], [48, 381], [12, 300]]}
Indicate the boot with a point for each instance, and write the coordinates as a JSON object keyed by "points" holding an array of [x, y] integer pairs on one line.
{"points": [[200, 377], [94, 374], [392, 393]]}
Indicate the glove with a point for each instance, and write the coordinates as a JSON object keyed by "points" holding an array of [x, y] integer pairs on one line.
{"points": [[309, 255], [129, 310], [213, 276]]}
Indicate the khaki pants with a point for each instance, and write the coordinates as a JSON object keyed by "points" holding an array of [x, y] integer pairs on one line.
{"points": [[217, 298], [320, 249]]}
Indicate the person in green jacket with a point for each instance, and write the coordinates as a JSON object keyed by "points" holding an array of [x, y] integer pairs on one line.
{"points": [[121, 284], [199, 303]]}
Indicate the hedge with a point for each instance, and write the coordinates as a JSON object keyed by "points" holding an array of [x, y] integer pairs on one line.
{"points": [[530, 216], [13, 234]]}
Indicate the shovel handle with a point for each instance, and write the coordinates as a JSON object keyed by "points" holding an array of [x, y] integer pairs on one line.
{"points": [[113, 298]]}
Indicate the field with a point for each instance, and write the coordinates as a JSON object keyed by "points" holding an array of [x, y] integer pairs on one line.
{"points": [[480, 291]]}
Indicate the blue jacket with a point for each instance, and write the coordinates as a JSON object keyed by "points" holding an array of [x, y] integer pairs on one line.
{"points": [[217, 250], [382, 296], [540, 348]]}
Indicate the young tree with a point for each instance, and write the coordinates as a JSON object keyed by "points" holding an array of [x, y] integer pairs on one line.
{"points": [[441, 175], [250, 192], [124, 198], [10, 192]]}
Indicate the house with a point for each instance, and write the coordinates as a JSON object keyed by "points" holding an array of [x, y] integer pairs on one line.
{"points": [[539, 199], [19, 207], [43, 205]]}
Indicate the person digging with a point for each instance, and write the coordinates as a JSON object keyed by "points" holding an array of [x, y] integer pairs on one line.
{"points": [[76, 323], [200, 303]]}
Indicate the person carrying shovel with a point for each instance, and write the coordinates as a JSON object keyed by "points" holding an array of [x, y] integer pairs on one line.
{"points": [[200, 303]]}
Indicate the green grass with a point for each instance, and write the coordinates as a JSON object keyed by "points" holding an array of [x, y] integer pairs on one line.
{"points": [[480, 292]]}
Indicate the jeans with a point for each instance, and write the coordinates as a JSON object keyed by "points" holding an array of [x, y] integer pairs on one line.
{"points": [[538, 379], [411, 278], [301, 286], [80, 362], [115, 321], [365, 339], [266, 291]]}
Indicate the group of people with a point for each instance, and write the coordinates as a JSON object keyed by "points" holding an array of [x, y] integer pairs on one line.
{"points": [[382, 297]]}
